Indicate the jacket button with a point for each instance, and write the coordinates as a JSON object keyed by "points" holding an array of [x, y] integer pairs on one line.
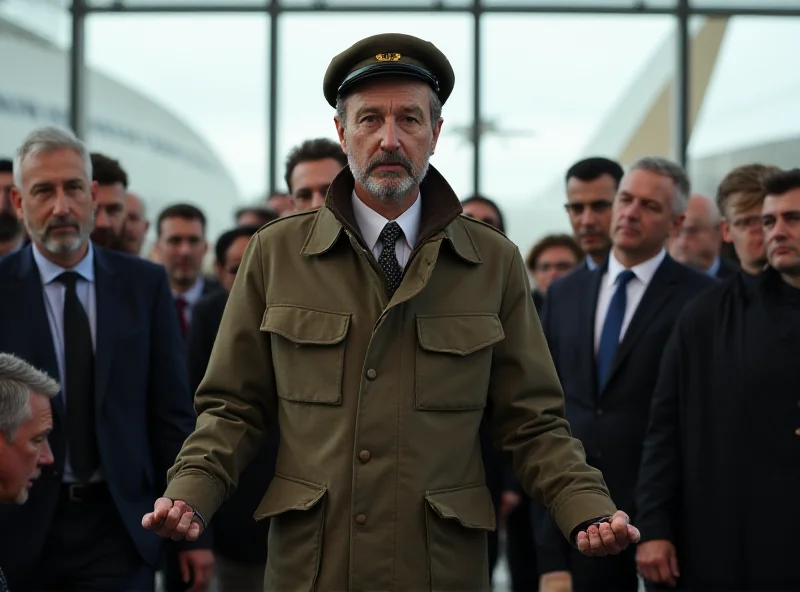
{"points": [[361, 520], [364, 455], [797, 432], [599, 412], [372, 374]]}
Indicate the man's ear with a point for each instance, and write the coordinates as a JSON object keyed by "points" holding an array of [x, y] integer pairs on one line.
{"points": [[726, 231]]}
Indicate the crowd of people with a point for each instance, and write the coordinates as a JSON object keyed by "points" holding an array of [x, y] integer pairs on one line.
{"points": [[374, 383]]}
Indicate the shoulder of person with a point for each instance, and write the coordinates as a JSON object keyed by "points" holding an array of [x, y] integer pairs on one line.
{"points": [[485, 235]]}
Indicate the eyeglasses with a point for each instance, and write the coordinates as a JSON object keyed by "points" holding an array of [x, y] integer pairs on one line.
{"points": [[747, 222], [555, 266], [598, 207]]}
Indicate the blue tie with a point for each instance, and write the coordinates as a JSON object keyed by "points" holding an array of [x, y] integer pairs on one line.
{"points": [[612, 327]]}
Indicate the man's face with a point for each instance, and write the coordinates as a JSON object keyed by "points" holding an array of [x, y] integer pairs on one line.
{"points": [[483, 212], [136, 225], [21, 458], [781, 219], [56, 201], [283, 205], [389, 137], [182, 246], [233, 259], [310, 182], [589, 209], [110, 215], [743, 228], [642, 217], [698, 240], [552, 264], [9, 223]]}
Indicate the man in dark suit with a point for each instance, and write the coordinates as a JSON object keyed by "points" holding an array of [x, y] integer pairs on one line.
{"points": [[606, 329], [105, 324], [591, 186], [699, 240]]}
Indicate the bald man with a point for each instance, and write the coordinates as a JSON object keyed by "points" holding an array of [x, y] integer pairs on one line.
{"points": [[136, 224], [699, 240]]}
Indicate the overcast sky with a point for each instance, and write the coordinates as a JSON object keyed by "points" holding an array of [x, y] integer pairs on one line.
{"points": [[553, 80]]}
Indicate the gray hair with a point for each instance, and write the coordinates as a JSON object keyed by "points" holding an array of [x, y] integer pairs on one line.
{"points": [[668, 168], [436, 109], [18, 381], [49, 139]]}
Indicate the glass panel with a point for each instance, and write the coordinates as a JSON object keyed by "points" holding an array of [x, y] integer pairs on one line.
{"points": [[182, 3], [307, 46], [577, 90], [749, 111], [595, 4], [181, 102], [383, 4], [750, 4]]}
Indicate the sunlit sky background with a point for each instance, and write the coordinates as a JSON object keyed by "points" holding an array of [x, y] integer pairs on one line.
{"points": [[552, 79]]}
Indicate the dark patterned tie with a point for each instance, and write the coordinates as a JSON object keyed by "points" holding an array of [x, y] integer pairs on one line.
{"points": [[388, 259], [79, 369], [612, 327]]}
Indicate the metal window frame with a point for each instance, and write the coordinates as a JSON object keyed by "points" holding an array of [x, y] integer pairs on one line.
{"points": [[273, 9]]}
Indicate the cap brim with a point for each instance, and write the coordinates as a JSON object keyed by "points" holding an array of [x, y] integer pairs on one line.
{"points": [[388, 69]]}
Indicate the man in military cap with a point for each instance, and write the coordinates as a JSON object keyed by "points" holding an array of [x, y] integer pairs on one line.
{"points": [[403, 324]]}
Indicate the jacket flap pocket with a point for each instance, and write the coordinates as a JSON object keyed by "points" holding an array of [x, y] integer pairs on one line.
{"points": [[285, 495], [471, 506], [459, 334], [306, 326]]}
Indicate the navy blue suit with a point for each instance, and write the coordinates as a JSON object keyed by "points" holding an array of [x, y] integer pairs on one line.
{"points": [[143, 405]]}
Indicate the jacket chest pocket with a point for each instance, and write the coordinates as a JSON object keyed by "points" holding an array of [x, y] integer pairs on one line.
{"points": [[454, 361], [308, 348]]}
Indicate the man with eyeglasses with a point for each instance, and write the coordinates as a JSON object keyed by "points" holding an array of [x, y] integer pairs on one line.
{"points": [[699, 239], [592, 184], [740, 196]]}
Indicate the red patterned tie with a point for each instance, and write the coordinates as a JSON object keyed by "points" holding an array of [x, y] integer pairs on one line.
{"points": [[182, 304]]}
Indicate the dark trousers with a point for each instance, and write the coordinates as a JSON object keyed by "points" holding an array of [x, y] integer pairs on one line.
{"points": [[88, 550], [521, 549], [613, 573]]}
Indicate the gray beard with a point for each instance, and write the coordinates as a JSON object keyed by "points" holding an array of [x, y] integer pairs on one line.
{"points": [[388, 187]]}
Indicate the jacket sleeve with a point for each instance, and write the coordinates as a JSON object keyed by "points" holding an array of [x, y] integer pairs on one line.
{"points": [[660, 468], [235, 401], [528, 415]]}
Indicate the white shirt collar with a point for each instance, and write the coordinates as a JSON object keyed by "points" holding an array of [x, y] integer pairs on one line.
{"points": [[644, 272], [49, 271], [371, 223]]}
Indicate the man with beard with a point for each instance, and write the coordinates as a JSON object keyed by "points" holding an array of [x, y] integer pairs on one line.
{"points": [[377, 331], [109, 218], [11, 234], [105, 324], [724, 434]]}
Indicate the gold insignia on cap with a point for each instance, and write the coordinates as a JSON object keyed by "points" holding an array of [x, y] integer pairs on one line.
{"points": [[388, 57]]}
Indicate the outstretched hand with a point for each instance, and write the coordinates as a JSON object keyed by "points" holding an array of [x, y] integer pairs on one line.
{"points": [[608, 538], [173, 520]]}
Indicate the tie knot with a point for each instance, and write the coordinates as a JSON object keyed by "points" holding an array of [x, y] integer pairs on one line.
{"points": [[390, 233], [624, 277], [69, 279]]}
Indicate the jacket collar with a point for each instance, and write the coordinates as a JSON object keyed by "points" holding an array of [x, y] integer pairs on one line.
{"points": [[440, 214]]}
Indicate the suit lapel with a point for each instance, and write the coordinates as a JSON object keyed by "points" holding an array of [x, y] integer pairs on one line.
{"points": [[657, 294], [107, 300], [588, 314], [37, 326]]}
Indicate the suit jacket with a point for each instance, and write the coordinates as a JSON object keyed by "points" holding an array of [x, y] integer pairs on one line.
{"points": [[206, 317], [143, 407], [726, 269], [611, 424]]}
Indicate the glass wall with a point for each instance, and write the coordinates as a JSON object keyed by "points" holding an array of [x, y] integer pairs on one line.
{"points": [[185, 96]]}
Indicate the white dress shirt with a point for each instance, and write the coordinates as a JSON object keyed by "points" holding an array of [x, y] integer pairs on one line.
{"points": [[636, 287], [54, 295], [371, 224]]}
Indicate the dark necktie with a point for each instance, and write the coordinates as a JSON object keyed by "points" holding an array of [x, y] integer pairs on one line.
{"points": [[79, 370], [181, 304], [612, 327], [388, 259]]}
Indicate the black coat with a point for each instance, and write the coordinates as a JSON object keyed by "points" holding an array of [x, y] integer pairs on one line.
{"points": [[720, 471]]}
